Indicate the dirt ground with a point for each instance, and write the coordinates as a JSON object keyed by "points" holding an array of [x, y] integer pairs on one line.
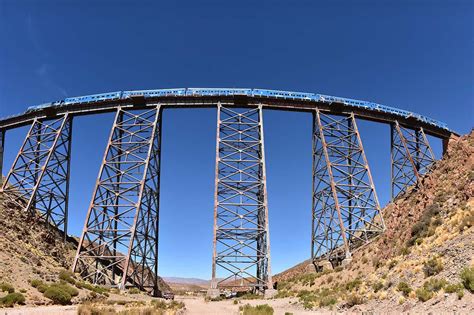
{"points": [[40, 310], [197, 306], [194, 306]]}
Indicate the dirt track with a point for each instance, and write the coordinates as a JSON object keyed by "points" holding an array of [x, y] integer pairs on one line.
{"points": [[197, 306], [194, 306]]}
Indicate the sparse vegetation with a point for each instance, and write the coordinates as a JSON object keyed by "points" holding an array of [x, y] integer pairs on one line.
{"points": [[134, 291], [65, 287], [35, 283], [67, 276], [377, 286], [156, 307], [95, 288], [251, 296], [455, 288], [6, 287], [421, 228], [467, 278], [432, 267], [11, 299], [354, 299], [434, 285], [404, 288], [376, 263], [392, 263], [263, 309], [354, 284], [423, 295], [58, 296], [466, 222]]}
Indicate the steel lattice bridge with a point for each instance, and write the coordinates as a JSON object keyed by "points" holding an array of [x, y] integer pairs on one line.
{"points": [[119, 243]]}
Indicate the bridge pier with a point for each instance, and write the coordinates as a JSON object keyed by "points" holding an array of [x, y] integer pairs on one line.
{"points": [[411, 157], [346, 211], [40, 173], [119, 243], [241, 245]]}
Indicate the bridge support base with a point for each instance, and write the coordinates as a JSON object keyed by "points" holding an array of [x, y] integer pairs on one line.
{"points": [[411, 157], [270, 293], [213, 293], [241, 254], [119, 243], [346, 211], [40, 173]]}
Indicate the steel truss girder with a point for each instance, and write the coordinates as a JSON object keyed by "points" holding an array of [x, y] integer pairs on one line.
{"points": [[119, 243], [40, 173], [241, 253], [346, 211], [411, 157]]}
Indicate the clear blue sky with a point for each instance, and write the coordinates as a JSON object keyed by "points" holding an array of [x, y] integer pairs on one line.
{"points": [[415, 55]]}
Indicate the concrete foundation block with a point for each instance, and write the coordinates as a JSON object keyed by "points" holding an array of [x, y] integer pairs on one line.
{"points": [[213, 293], [270, 293]]}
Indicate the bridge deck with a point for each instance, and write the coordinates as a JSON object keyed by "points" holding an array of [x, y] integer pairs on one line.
{"points": [[197, 98]]}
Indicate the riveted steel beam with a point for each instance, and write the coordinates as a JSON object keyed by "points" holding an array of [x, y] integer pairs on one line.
{"points": [[119, 243], [40, 172], [241, 255], [411, 157], [346, 212]]}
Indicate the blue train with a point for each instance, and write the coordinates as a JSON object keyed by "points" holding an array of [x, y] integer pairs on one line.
{"points": [[247, 92]]}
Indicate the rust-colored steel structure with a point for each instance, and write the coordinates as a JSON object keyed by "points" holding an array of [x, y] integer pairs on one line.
{"points": [[119, 243], [241, 255], [346, 211], [411, 156], [40, 172]]}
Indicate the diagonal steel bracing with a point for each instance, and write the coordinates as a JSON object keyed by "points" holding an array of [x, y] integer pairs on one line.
{"points": [[411, 157], [119, 243], [241, 255], [40, 172], [346, 211]]}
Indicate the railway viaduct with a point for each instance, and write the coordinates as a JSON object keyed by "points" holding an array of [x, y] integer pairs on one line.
{"points": [[119, 243]]}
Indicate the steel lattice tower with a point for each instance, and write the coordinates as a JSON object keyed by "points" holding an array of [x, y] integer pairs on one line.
{"points": [[241, 255], [119, 244], [40, 173], [411, 157], [346, 211]]}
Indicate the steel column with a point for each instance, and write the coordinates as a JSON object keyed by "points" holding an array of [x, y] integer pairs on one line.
{"points": [[40, 172], [346, 211], [411, 157], [241, 255], [119, 243]]}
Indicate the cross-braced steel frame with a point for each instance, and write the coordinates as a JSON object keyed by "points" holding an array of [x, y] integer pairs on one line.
{"points": [[346, 211], [241, 256], [119, 243], [411, 157], [40, 172]]}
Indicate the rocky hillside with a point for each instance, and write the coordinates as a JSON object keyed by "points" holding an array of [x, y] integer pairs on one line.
{"points": [[424, 261], [31, 250]]}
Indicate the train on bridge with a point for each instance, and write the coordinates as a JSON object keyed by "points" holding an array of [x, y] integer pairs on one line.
{"points": [[200, 92]]}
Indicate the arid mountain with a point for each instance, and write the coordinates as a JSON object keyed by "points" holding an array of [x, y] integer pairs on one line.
{"points": [[181, 280], [424, 260], [33, 250]]}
